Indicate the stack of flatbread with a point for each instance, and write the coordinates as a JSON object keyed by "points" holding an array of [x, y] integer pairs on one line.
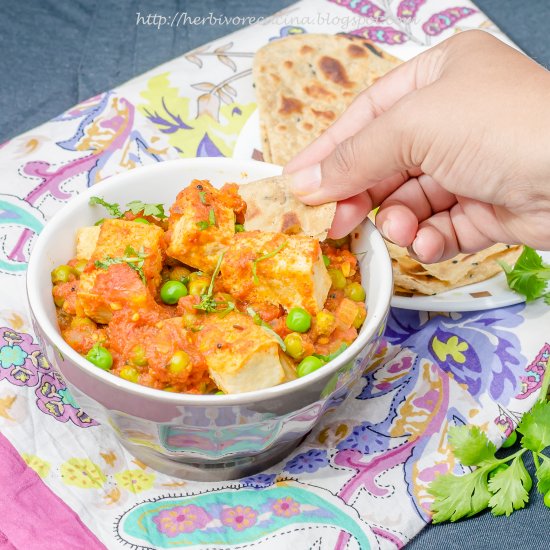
{"points": [[303, 84]]}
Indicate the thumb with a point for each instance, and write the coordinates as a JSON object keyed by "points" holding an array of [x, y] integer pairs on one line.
{"points": [[379, 154]]}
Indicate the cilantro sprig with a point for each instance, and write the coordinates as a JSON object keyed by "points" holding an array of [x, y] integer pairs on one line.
{"points": [[156, 210], [529, 276], [136, 207], [265, 326], [208, 304], [501, 484], [133, 259], [112, 207]]}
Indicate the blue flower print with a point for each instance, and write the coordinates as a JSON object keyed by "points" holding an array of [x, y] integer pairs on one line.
{"points": [[308, 462]]}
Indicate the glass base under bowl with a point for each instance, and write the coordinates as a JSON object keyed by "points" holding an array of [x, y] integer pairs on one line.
{"points": [[212, 471]]}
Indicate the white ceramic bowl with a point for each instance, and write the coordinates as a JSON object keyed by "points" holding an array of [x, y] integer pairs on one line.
{"points": [[207, 437]]}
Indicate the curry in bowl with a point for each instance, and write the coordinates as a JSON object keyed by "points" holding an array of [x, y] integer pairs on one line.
{"points": [[196, 302]]}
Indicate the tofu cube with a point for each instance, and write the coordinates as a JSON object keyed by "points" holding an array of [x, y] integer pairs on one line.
{"points": [[86, 240], [115, 236], [241, 356], [279, 269], [201, 226]]}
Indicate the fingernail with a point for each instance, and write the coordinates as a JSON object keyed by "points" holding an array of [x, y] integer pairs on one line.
{"points": [[386, 230], [306, 180], [416, 245]]}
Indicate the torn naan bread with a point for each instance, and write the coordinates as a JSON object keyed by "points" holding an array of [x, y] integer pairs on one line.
{"points": [[270, 206]]}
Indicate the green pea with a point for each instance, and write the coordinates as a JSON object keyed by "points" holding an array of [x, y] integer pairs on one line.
{"points": [[219, 393], [326, 260], [298, 319], [129, 373], [138, 356], [198, 287], [80, 266], [510, 440], [172, 291], [62, 274], [498, 469], [355, 292], [179, 362], [179, 273], [308, 365], [101, 357], [547, 499], [142, 220], [294, 345], [338, 280], [239, 228]]}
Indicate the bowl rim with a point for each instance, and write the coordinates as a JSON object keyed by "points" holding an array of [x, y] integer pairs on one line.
{"points": [[38, 311]]}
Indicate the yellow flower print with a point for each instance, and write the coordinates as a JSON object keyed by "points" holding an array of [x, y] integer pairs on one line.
{"points": [[452, 347], [82, 472], [41, 467], [194, 126], [135, 481]]}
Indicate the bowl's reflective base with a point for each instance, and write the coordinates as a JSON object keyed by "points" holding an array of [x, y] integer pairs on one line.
{"points": [[211, 471]]}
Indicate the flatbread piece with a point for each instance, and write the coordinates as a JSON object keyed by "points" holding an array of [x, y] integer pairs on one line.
{"points": [[271, 206]]}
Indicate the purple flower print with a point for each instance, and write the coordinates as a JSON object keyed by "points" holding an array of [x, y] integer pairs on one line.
{"points": [[308, 462], [181, 519]]}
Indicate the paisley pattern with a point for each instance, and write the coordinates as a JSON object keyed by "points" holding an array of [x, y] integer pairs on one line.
{"points": [[237, 516], [359, 479]]}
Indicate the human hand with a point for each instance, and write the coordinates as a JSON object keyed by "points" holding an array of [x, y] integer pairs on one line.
{"points": [[454, 146]]}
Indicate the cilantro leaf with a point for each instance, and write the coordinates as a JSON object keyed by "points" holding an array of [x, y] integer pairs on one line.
{"points": [[112, 208], [211, 217], [459, 496], [156, 210], [510, 488], [202, 196], [266, 327], [207, 303], [535, 428], [471, 446], [131, 258], [327, 358], [543, 475], [205, 224], [529, 276]]}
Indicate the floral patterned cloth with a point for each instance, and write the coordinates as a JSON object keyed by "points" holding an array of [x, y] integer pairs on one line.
{"points": [[360, 479]]}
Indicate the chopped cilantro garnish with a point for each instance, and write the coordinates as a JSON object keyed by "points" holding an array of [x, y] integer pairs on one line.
{"points": [[265, 326], [326, 358], [112, 208], [202, 196], [202, 225], [156, 210], [207, 303], [261, 259], [133, 259]]}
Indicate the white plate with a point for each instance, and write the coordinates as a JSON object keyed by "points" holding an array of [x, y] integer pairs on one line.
{"points": [[249, 138], [490, 294]]}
